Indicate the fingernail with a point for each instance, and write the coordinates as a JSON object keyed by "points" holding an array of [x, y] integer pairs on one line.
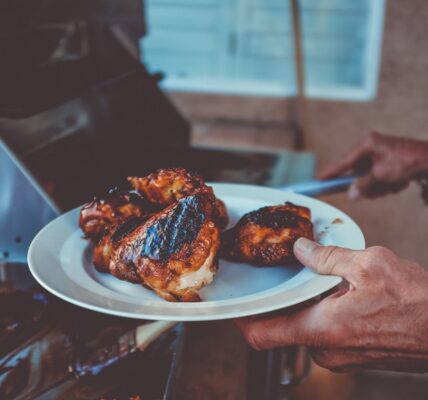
{"points": [[354, 193], [305, 246]]}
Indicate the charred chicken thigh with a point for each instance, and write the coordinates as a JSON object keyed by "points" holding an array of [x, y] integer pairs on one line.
{"points": [[105, 248], [175, 251], [166, 186], [220, 214], [102, 213], [266, 236]]}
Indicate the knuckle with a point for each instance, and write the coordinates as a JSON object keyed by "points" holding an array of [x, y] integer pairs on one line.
{"points": [[252, 337], [364, 264], [316, 339], [332, 359], [376, 253], [323, 358], [367, 257], [337, 332], [367, 260], [380, 174], [325, 329], [371, 260]]}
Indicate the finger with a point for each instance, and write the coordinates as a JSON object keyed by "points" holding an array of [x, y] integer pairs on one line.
{"points": [[338, 360], [362, 187], [348, 163], [341, 360], [368, 186], [326, 260], [310, 327]]}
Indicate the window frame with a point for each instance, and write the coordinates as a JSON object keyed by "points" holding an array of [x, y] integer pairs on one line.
{"points": [[365, 92]]}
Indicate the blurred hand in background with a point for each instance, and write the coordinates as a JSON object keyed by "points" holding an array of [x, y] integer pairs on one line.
{"points": [[386, 164]]}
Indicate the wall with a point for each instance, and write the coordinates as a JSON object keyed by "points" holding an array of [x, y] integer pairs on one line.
{"points": [[399, 222]]}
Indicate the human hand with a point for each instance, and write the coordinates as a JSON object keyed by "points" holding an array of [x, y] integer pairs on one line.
{"points": [[388, 164], [380, 321]]}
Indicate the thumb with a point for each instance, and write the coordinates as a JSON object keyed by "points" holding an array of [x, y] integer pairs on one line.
{"points": [[325, 260]]}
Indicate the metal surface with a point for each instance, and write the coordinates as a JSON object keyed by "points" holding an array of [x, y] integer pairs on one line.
{"points": [[24, 208], [252, 166], [39, 342], [317, 187]]}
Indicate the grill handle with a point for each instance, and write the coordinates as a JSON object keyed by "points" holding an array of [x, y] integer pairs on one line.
{"points": [[316, 188]]}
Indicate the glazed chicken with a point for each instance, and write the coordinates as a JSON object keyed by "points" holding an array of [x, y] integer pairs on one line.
{"points": [[175, 251], [164, 234], [101, 214], [266, 236], [221, 216], [105, 248], [166, 186]]}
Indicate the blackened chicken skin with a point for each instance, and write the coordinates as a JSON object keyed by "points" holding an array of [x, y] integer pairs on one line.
{"points": [[266, 236], [105, 248], [166, 186], [101, 214], [175, 250]]}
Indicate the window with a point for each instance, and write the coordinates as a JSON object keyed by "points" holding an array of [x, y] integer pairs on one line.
{"points": [[246, 46]]}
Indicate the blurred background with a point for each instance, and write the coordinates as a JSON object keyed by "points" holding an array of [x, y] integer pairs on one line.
{"points": [[257, 91]]}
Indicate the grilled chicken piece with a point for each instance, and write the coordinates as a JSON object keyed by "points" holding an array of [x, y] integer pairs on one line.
{"points": [[220, 214], [265, 237], [166, 186], [101, 214], [103, 252], [105, 248], [175, 251]]}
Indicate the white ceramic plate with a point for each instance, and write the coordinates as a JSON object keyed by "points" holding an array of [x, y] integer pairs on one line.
{"points": [[61, 261]]}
